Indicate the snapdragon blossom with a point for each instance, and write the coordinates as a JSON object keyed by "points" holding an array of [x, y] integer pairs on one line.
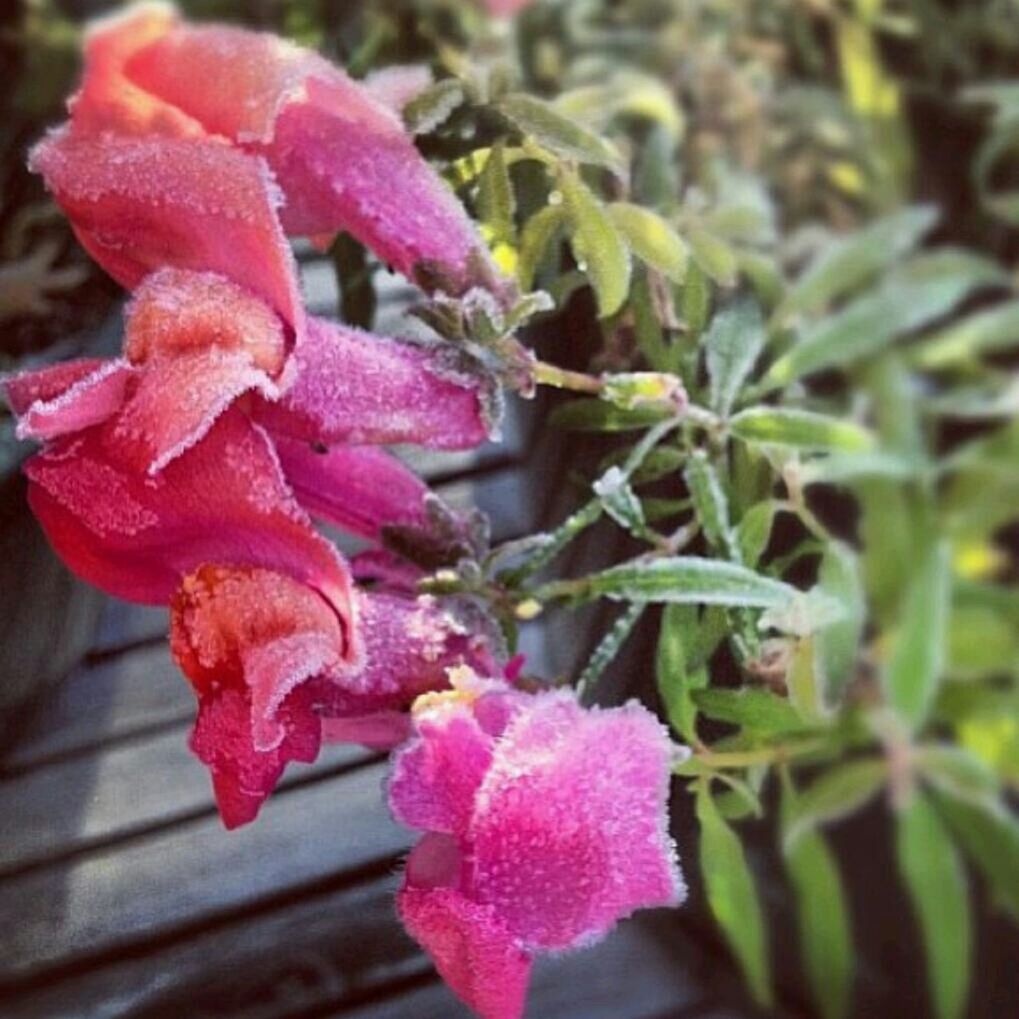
{"points": [[545, 824]]}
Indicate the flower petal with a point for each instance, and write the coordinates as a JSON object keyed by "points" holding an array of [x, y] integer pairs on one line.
{"points": [[382, 730], [68, 397], [398, 84], [331, 143], [136, 536], [203, 342], [471, 949], [139, 204], [354, 387], [562, 849], [254, 629], [243, 776], [358, 488]]}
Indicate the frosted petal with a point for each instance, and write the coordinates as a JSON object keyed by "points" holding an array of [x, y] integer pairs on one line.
{"points": [[357, 388]]}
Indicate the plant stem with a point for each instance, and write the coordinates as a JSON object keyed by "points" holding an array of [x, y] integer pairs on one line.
{"points": [[764, 755], [546, 374]]}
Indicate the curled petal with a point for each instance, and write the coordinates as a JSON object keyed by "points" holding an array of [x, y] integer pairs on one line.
{"points": [[68, 397], [329, 141], [472, 950], [139, 204], [243, 776], [563, 849], [382, 730], [358, 488], [435, 778], [203, 342], [137, 536], [354, 387]]}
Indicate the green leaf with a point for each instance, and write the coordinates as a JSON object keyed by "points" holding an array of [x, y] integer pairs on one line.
{"points": [[495, 196], [837, 645], [608, 647], [686, 580], [760, 711], [822, 919], [710, 504], [594, 415], [676, 670], [427, 110], [731, 346], [989, 835], [651, 239], [557, 133], [620, 501], [957, 771], [915, 294], [984, 332], [715, 257], [754, 531], [839, 792], [597, 245], [934, 878], [917, 659], [852, 261], [732, 896], [695, 300], [801, 429], [535, 239]]}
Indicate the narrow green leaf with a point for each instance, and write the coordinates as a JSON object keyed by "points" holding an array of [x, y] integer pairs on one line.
{"points": [[676, 678], [837, 645], [822, 918], [710, 504], [556, 132], [597, 245], [695, 300], [651, 239], [608, 647], [983, 332], [917, 293], [754, 531], [839, 792], [850, 262], [535, 239], [732, 896], [934, 878], [917, 659], [801, 429], [620, 501], [760, 711], [714, 256], [495, 196], [957, 771], [731, 345], [594, 415], [686, 580], [427, 110], [989, 835]]}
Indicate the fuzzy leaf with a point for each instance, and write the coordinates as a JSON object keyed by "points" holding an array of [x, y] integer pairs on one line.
{"points": [[801, 429], [535, 239], [732, 896], [676, 673], [597, 245], [687, 580], [983, 332], [933, 875], [839, 792], [760, 711], [556, 132], [837, 645], [731, 346], [651, 239], [594, 415]]}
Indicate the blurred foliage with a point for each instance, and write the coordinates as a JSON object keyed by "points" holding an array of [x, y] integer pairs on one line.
{"points": [[756, 204]]}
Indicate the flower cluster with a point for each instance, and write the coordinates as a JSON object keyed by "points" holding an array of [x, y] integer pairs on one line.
{"points": [[187, 471]]}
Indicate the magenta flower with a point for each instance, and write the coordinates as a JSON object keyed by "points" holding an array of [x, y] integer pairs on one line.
{"points": [[267, 657], [546, 823], [230, 129]]}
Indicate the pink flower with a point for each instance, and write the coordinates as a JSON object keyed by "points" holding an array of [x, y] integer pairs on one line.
{"points": [[207, 121], [546, 823], [267, 657]]}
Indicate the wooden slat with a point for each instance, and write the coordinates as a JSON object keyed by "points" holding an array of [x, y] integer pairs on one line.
{"points": [[631, 975], [63, 808], [152, 884], [318, 951], [125, 625], [122, 695]]}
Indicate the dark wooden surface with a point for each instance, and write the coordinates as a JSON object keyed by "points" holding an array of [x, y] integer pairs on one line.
{"points": [[122, 895]]}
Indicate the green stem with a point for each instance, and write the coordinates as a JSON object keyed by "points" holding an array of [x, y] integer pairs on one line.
{"points": [[545, 374], [763, 755]]}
